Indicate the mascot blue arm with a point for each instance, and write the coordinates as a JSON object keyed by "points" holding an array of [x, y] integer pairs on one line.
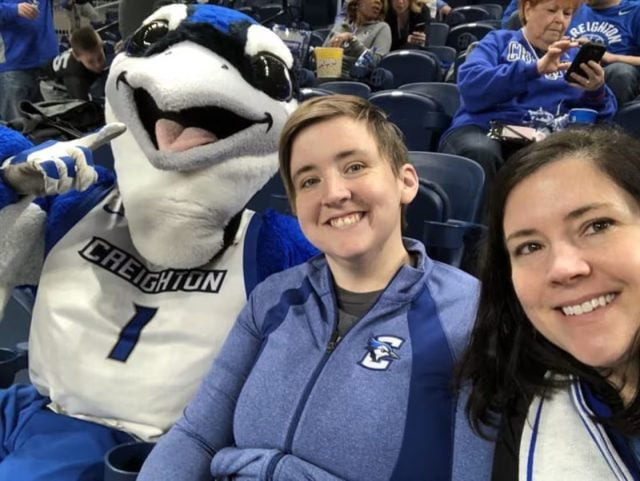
{"points": [[11, 143]]}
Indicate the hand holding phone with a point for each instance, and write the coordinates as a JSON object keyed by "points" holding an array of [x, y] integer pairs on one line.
{"points": [[588, 51], [27, 10], [419, 27]]}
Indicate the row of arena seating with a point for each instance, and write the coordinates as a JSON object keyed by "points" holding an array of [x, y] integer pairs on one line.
{"points": [[436, 62], [422, 110]]}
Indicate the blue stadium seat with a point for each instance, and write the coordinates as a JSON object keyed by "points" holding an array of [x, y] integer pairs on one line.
{"points": [[347, 87], [380, 79], [420, 118], [446, 94], [458, 3], [461, 36], [467, 14], [461, 178], [409, 66], [446, 55], [271, 196], [431, 204], [14, 332], [628, 117], [494, 9], [307, 93], [452, 74], [454, 240], [492, 22], [438, 33]]}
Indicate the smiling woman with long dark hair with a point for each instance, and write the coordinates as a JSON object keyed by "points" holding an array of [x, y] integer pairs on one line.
{"points": [[554, 350]]}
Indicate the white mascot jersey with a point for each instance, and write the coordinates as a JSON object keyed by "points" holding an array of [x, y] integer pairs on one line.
{"points": [[138, 329]]}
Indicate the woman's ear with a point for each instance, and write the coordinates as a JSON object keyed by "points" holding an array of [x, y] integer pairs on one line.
{"points": [[410, 182], [526, 8]]}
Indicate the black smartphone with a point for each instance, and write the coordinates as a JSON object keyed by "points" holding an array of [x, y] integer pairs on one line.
{"points": [[419, 27], [588, 51]]}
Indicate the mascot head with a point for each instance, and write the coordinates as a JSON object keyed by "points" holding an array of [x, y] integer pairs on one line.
{"points": [[204, 92]]}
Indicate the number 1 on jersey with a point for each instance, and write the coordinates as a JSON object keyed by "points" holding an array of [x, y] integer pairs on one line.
{"points": [[130, 333]]}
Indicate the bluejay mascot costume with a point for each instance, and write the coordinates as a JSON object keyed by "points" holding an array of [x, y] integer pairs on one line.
{"points": [[140, 279]]}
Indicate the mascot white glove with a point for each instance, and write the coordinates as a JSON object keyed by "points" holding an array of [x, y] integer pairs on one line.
{"points": [[57, 167]]}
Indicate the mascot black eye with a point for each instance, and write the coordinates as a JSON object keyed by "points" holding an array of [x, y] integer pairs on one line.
{"points": [[271, 75], [146, 36]]}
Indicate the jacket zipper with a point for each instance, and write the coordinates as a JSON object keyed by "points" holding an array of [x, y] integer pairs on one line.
{"points": [[331, 345]]}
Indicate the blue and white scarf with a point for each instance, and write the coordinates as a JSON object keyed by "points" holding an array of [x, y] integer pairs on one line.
{"points": [[561, 442]]}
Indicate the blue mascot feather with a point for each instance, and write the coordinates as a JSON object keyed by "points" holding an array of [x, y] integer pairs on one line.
{"points": [[140, 274]]}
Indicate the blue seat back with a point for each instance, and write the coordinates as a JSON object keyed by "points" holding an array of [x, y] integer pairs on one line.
{"points": [[446, 94], [307, 93], [628, 117], [420, 118], [467, 14], [495, 10], [409, 66], [430, 204], [271, 196], [461, 36], [461, 178], [347, 87], [438, 33], [446, 55], [14, 333]]}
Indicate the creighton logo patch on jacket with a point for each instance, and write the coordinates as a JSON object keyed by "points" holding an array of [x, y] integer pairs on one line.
{"points": [[381, 352]]}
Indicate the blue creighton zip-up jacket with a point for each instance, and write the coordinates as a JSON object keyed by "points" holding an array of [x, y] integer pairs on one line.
{"points": [[280, 404]]}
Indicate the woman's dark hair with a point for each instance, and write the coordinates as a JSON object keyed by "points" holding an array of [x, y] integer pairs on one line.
{"points": [[506, 359]]}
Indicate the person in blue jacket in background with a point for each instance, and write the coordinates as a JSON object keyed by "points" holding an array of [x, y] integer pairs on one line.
{"points": [[615, 24], [339, 369], [27, 41], [511, 74]]}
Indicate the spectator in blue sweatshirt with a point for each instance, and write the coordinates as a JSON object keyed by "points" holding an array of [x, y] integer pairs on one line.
{"points": [[338, 369], [514, 72], [616, 24], [27, 41]]}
